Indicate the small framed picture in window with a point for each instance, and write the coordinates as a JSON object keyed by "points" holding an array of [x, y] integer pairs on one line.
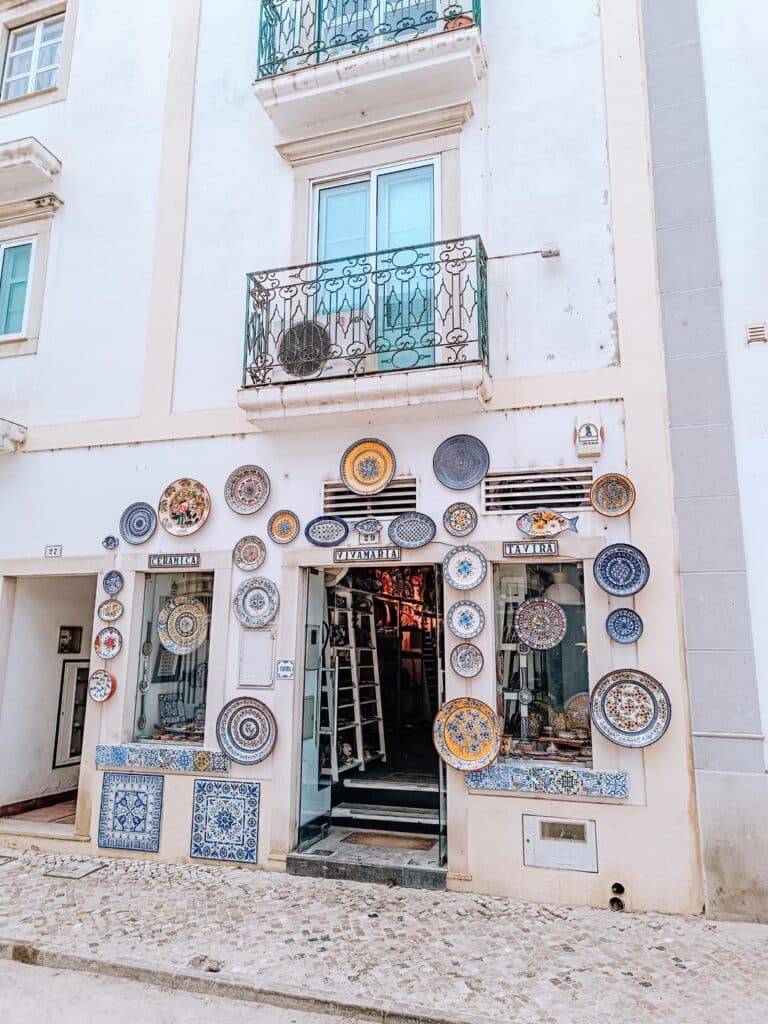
{"points": [[167, 667], [70, 639]]}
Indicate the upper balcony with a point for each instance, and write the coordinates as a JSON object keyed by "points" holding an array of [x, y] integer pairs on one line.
{"points": [[399, 327], [326, 61]]}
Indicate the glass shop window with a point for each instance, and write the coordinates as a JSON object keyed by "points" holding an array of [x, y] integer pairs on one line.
{"points": [[173, 662], [543, 695]]}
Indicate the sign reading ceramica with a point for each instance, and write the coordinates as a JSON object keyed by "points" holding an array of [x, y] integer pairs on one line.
{"points": [[527, 548], [174, 561], [367, 554]]}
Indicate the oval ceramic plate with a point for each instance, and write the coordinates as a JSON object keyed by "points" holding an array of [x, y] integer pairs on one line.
{"points": [[110, 610], [460, 519], [412, 530], [283, 527], [467, 661], [247, 490], [630, 708], [612, 495], [138, 523], [465, 568], [246, 730], [249, 553], [466, 620], [467, 734], [624, 626], [101, 686], [461, 462], [108, 643], [256, 602], [621, 570], [326, 531], [546, 522], [182, 624], [540, 624], [184, 507], [112, 582], [367, 466]]}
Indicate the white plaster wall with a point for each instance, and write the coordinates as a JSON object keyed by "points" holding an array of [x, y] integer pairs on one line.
{"points": [[33, 676]]}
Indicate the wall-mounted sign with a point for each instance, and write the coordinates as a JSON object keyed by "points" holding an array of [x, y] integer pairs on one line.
{"points": [[53, 551], [530, 548], [174, 561], [285, 668], [588, 436], [367, 554]]}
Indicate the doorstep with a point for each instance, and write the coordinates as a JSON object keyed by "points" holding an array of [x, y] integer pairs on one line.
{"points": [[41, 830]]}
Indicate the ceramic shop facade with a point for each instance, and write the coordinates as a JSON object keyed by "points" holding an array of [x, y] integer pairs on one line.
{"points": [[552, 368]]}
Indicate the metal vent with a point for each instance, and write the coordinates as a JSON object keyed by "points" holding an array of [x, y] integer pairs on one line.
{"points": [[399, 497], [757, 332], [563, 489]]}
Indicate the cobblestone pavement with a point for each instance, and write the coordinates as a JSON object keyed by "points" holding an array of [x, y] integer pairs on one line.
{"points": [[453, 954]]}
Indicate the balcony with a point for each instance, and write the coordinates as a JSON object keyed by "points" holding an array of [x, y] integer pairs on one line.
{"points": [[391, 329], [326, 61]]}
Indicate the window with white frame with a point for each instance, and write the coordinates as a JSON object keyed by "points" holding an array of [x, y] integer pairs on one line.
{"points": [[15, 272], [32, 57]]}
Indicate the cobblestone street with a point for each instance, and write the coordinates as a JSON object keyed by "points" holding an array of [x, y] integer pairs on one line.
{"points": [[451, 955]]}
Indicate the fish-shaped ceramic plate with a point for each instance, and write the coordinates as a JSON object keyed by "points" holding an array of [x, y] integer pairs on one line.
{"points": [[545, 522]]}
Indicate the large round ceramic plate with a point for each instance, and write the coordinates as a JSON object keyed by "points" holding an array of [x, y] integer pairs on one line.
{"points": [[621, 570], [138, 523], [467, 661], [112, 582], [182, 624], [624, 626], [612, 495], [283, 527], [540, 624], [465, 568], [249, 553], [412, 530], [368, 466], [326, 531], [461, 462], [466, 620], [110, 610], [101, 686], [467, 734], [460, 519], [246, 730], [108, 643], [246, 490], [630, 708], [256, 602], [184, 507]]}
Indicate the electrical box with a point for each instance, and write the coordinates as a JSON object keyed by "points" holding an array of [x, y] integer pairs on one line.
{"points": [[562, 843]]}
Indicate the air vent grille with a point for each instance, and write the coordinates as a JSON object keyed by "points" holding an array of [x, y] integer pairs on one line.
{"points": [[399, 497], [566, 490], [757, 333]]}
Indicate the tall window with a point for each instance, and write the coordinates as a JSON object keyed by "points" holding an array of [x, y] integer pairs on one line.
{"points": [[32, 58], [14, 286]]}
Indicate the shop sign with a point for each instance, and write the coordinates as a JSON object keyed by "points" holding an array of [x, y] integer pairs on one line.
{"points": [[174, 561], [530, 548], [386, 554], [285, 668]]}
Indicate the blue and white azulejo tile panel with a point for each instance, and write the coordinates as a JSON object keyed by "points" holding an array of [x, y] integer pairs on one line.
{"points": [[131, 808], [159, 758], [550, 780], [225, 821]]}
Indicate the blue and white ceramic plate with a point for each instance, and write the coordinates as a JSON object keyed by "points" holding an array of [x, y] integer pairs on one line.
{"points": [[246, 730], [460, 519], [465, 568], [326, 531], [467, 661], [621, 570], [110, 542], [182, 624], [247, 490], [112, 582], [412, 530], [256, 602], [466, 620], [630, 708], [138, 523], [461, 462], [624, 626]]}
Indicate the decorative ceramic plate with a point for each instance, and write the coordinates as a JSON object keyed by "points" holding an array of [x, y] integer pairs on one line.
{"points": [[108, 643], [624, 626], [621, 570], [540, 623], [545, 522], [246, 730], [110, 610], [247, 490], [460, 519], [461, 462], [369, 530], [578, 707], [465, 568], [467, 734], [467, 661], [256, 602], [612, 495], [630, 708], [138, 523], [466, 620], [249, 553], [412, 530], [184, 507], [182, 624], [110, 543], [283, 527], [112, 582], [101, 686], [368, 466], [326, 531]]}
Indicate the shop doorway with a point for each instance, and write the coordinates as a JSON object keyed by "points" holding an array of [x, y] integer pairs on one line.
{"points": [[372, 788]]}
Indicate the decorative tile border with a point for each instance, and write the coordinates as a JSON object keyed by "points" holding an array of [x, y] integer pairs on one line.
{"points": [[163, 758], [225, 821], [554, 781], [131, 808]]}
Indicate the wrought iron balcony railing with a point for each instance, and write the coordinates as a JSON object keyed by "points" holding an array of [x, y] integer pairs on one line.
{"points": [[399, 309], [297, 34]]}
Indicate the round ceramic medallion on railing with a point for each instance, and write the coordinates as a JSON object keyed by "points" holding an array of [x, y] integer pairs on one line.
{"points": [[182, 624], [368, 466], [249, 553], [246, 730], [284, 527], [112, 582], [247, 490], [101, 686], [465, 568], [467, 661], [466, 620], [621, 570], [630, 708], [110, 610], [460, 519], [138, 523], [326, 531], [612, 495], [467, 734], [461, 462], [108, 643], [256, 602], [412, 530], [540, 624], [184, 507]]}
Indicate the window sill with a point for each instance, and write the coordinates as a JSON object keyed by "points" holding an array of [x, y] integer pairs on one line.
{"points": [[522, 778], [174, 759], [30, 100], [17, 345]]}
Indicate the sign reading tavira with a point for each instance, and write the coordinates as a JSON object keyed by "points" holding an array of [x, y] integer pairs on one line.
{"points": [[386, 554], [526, 548], [190, 561]]}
